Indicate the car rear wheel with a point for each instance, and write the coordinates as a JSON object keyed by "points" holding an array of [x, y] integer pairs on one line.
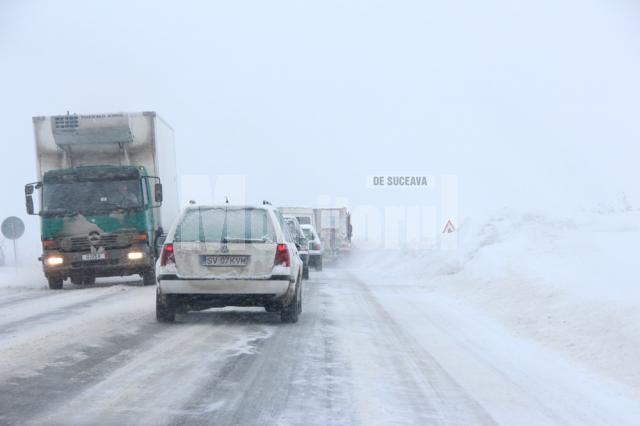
{"points": [[165, 309], [305, 272], [291, 312], [55, 283], [319, 263]]}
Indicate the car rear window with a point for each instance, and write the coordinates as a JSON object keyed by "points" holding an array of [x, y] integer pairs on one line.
{"points": [[230, 224], [291, 227], [307, 233]]}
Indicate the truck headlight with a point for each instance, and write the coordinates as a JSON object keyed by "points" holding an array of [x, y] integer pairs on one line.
{"points": [[54, 260], [135, 255]]}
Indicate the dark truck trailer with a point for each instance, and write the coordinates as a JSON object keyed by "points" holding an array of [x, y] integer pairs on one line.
{"points": [[107, 192]]}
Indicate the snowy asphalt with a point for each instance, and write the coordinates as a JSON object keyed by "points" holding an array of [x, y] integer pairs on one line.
{"points": [[360, 354]]}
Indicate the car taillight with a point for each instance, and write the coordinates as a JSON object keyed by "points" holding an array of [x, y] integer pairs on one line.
{"points": [[316, 246], [282, 255], [167, 255]]}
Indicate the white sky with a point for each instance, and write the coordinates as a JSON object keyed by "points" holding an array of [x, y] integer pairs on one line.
{"points": [[531, 104]]}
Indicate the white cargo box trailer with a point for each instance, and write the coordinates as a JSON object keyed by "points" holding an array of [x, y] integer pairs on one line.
{"points": [[305, 215], [334, 227]]}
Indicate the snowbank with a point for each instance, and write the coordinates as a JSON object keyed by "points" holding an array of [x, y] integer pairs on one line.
{"points": [[22, 277], [569, 283]]}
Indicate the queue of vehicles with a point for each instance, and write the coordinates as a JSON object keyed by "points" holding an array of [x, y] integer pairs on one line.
{"points": [[329, 228], [107, 197]]}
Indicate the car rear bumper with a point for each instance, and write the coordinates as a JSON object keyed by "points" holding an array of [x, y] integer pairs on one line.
{"points": [[275, 286]]}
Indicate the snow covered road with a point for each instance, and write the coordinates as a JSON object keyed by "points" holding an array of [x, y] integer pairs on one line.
{"points": [[361, 354]]}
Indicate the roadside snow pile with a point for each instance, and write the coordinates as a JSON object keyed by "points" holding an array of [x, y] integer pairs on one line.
{"points": [[592, 256], [571, 283], [28, 277]]}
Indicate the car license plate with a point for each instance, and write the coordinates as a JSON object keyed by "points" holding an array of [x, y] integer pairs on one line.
{"points": [[225, 260], [96, 256]]}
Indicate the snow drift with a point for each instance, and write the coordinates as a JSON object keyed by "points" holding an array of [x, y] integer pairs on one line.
{"points": [[570, 283]]}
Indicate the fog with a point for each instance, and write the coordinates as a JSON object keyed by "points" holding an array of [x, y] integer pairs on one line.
{"points": [[530, 106]]}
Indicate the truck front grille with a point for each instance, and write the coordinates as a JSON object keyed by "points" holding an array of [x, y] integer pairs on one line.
{"points": [[106, 240]]}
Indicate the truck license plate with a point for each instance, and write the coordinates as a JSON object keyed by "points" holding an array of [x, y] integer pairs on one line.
{"points": [[225, 260], [97, 256]]}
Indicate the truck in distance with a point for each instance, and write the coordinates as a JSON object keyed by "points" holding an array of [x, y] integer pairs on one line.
{"points": [[305, 215], [334, 227]]}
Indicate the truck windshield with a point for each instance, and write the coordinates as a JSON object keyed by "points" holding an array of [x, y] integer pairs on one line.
{"points": [[82, 196]]}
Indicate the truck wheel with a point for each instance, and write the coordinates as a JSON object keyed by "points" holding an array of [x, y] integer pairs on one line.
{"points": [[319, 263], [76, 279], [55, 283], [305, 272], [149, 277], [89, 279], [291, 312], [165, 309]]}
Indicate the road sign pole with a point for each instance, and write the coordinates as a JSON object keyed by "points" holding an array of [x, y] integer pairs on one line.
{"points": [[13, 228]]}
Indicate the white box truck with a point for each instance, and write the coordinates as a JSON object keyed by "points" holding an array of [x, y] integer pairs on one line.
{"points": [[305, 215], [107, 192], [334, 227]]}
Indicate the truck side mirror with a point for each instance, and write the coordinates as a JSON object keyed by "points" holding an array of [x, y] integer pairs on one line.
{"points": [[28, 189], [157, 192], [29, 200]]}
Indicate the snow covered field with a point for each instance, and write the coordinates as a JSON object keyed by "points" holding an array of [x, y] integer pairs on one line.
{"points": [[569, 284]]}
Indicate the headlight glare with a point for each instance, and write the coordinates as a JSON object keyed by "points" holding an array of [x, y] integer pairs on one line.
{"points": [[55, 260], [135, 255]]}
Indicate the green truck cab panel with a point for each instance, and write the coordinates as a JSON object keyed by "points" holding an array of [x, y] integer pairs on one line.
{"points": [[53, 227], [139, 219]]}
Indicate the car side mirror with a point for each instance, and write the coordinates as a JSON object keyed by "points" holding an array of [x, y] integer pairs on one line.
{"points": [[157, 192], [28, 189], [29, 200]]}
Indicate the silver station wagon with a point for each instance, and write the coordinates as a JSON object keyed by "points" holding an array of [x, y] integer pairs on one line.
{"points": [[223, 255]]}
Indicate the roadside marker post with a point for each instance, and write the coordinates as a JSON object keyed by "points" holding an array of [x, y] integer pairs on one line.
{"points": [[12, 229]]}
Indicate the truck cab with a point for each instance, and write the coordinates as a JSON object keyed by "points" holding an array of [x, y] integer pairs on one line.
{"points": [[98, 221]]}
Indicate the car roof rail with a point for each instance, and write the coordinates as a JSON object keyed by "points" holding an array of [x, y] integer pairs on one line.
{"points": [[265, 203]]}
